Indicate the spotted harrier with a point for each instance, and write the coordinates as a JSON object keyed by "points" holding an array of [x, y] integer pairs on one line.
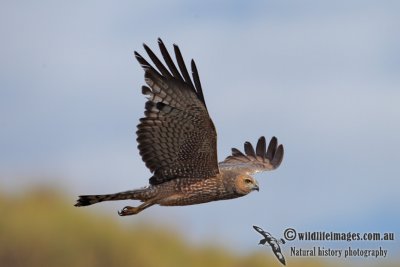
{"points": [[177, 141]]}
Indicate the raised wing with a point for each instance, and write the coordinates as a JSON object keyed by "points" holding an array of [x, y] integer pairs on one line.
{"points": [[177, 137], [254, 161]]}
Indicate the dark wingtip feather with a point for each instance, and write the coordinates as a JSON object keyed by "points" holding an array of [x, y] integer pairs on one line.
{"points": [[271, 148], [182, 67], [256, 227], [261, 147], [137, 56], [160, 66], [278, 156], [197, 83], [145, 65], [196, 79], [168, 60], [259, 229], [249, 150]]}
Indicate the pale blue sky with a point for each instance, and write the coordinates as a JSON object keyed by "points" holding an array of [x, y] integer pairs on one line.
{"points": [[321, 76]]}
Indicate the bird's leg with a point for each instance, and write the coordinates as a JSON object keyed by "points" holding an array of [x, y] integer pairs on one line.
{"points": [[134, 210]]}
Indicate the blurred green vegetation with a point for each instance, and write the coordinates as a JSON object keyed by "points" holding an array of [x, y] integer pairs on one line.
{"points": [[41, 228]]}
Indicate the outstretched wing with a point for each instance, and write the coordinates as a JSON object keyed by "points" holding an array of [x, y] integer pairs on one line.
{"points": [[254, 161], [261, 231], [177, 137], [277, 251]]}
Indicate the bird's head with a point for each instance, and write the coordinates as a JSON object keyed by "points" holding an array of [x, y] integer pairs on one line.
{"points": [[262, 241], [245, 184]]}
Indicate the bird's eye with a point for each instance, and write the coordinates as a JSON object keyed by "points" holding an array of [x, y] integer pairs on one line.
{"points": [[247, 181]]}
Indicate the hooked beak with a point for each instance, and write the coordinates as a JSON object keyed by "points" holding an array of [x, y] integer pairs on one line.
{"points": [[255, 187]]}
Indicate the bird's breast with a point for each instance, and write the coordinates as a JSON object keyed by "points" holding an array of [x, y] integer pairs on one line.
{"points": [[191, 191]]}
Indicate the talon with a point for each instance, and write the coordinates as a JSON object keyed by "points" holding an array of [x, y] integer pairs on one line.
{"points": [[128, 211], [123, 211]]}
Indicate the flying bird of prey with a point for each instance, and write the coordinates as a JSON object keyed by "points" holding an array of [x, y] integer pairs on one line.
{"points": [[177, 141], [273, 242]]}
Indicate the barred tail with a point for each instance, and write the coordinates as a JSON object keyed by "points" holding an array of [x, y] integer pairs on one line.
{"points": [[93, 199]]}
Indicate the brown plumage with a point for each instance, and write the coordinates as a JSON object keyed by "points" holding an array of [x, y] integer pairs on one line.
{"points": [[178, 143]]}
